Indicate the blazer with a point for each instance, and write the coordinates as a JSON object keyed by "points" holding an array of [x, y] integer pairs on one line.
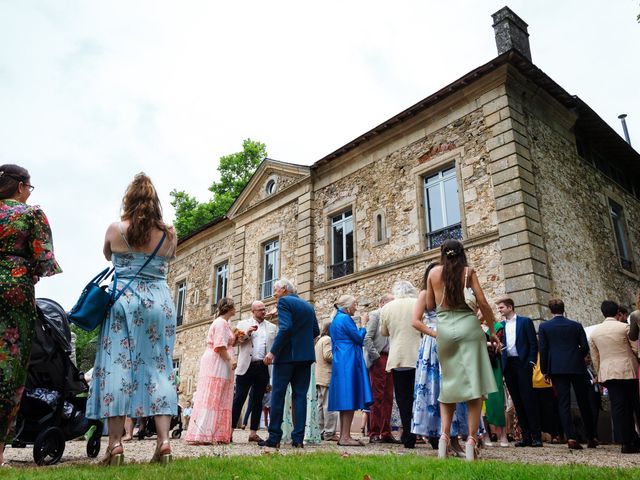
{"points": [[526, 341], [297, 327], [246, 346], [404, 340], [612, 352], [324, 357], [374, 341], [563, 346]]}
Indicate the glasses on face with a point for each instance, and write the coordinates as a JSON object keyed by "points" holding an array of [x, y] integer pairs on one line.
{"points": [[30, 187]]}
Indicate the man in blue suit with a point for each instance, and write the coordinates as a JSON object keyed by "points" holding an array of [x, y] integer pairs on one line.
{"points": [[519, 356], [292, 355], [563, 348]]}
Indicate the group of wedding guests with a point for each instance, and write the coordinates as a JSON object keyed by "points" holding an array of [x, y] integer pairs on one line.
{"points": [[437, 353]]}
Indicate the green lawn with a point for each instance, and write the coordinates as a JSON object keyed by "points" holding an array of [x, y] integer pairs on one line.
{"points": [[324, 465]]}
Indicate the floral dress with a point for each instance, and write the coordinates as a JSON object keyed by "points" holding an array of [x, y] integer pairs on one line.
{"points": [[26, 250], [133, 372], [311, 426]]}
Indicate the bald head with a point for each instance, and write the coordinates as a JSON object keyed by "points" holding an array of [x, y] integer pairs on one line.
{"points": [[384, 299], [258, 310]]}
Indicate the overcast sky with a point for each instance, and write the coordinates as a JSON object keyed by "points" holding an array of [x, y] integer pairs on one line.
{"points": [[93, 92]]}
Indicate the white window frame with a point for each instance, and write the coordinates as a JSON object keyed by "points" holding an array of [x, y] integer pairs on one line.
{"points": [[181, 300], [621, 236], [221, 274], [270, 249], [444, 174], [342, 222]]}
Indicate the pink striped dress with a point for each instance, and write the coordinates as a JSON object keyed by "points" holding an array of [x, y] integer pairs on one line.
{"points": [[211, 416]]}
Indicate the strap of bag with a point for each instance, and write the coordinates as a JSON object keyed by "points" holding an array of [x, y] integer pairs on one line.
{"points": [[114, 296]]}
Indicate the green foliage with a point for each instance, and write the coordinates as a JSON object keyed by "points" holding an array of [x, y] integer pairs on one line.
{"points": [[235, 172], [86, 343]]}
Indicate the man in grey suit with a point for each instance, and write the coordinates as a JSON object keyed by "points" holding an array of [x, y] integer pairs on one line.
{"points": [[376, 350]]}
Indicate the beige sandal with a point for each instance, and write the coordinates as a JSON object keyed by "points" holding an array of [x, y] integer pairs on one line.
{"points": [[471, 449], [163, 453], [114, 456]]}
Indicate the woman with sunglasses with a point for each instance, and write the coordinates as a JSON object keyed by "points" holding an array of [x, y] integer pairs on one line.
{"points": [[26, 254]]}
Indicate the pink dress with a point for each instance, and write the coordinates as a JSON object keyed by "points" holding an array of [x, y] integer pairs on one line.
{"points": [[211, 416]]}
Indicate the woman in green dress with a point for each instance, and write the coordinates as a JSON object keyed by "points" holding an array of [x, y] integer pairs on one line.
{"points": [[26, 254], [454, 291], [494, 404]]}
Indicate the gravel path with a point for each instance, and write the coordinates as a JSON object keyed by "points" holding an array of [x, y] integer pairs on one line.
{"points": [[141, 451]]}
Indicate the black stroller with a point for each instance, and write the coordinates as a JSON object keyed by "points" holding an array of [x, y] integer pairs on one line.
{"points": [[50, 410], [148, 426]]}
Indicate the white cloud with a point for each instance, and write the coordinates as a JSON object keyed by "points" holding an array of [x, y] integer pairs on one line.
{"points": [[93, 92]]}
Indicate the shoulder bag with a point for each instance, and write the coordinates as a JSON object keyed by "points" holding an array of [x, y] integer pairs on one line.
{"points": [[96, 301]]}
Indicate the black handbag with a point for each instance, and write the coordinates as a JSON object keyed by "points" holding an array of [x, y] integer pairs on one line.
{"points": [[96, 301]]}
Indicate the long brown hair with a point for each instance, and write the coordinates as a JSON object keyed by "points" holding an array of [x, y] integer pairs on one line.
{"points": [[427, 270], [10, 177], [453, 261], [141, 206]]}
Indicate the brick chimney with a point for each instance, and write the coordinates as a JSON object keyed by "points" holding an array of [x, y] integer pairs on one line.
{"points": [[511, 32]]}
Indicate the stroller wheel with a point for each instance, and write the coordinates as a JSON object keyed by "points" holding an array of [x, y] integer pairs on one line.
{"points": [[93, 443], [176, 433], [49, 446]]}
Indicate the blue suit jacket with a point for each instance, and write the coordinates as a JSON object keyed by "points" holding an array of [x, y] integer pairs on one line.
{"points": [[297, 327], [526, 341], [563, 346]]}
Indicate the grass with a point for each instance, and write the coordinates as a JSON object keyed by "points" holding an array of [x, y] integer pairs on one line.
{"points": [[324, 466]]}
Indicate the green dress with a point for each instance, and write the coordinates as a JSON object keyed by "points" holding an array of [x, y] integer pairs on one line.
{"points": [[26, 251], [464, 360], [494, 406]]}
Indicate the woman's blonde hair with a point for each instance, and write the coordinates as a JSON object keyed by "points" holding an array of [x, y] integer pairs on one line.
{"points": [[141, 207], [345, 301]]}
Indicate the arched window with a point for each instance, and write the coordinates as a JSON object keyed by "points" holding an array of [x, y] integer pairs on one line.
{"points": [[271, 187]]}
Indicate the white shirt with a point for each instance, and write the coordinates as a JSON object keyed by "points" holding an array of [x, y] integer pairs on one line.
{"points": [[259, 340], [510, 332]]}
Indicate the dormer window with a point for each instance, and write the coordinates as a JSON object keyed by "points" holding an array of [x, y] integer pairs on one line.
{"points": [[270, 189]]}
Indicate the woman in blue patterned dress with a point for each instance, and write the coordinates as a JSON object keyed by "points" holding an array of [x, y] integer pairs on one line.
{"points": [[133, 374], [26, 254]]}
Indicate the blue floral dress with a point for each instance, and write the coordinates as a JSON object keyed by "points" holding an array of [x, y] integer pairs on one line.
{"points": [[133, 372], [426, 408], [26, 250]]}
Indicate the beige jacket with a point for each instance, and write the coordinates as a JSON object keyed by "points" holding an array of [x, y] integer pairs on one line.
{"points": [[324, 358], [612, 353], [404, 340]]}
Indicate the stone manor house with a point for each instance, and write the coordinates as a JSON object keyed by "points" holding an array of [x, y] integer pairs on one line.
{"points": [[543, 193]]}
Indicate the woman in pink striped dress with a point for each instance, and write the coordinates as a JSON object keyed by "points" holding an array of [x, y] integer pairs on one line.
{"points": [[211, 416]]}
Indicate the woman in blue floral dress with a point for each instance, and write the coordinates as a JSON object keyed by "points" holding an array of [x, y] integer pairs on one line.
{"points": [[26, 254], [133, 374]]}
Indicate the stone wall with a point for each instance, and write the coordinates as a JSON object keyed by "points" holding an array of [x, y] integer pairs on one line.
{"points": [[392, 184], [573, 196], [280, 223]]}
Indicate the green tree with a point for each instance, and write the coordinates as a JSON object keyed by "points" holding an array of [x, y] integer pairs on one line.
{"points": [[235, 172]]}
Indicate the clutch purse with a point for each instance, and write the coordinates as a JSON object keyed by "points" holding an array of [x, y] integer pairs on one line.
{"points": [[94, 303], [469, 296]]}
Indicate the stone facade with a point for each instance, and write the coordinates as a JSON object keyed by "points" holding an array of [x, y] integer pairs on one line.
{"points": [[534, 215]]}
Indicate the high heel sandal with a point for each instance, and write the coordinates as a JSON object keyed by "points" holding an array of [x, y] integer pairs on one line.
{"points": [[163, 453], [471, 449], [114, 456], [444, 446]]}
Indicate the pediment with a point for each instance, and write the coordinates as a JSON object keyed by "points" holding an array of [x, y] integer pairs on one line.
{"points": [[270, 178]]}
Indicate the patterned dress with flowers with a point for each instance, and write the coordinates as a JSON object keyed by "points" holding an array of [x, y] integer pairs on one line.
{"points": [[26, 250], [133, 371]]}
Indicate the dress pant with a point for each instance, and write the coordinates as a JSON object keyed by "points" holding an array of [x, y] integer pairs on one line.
{"points": [[518, 377], [382, 389], [327, 421], [623, 396], [255, 379], [403, 384], [581, 386], [548, 410], [298, 374]]}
